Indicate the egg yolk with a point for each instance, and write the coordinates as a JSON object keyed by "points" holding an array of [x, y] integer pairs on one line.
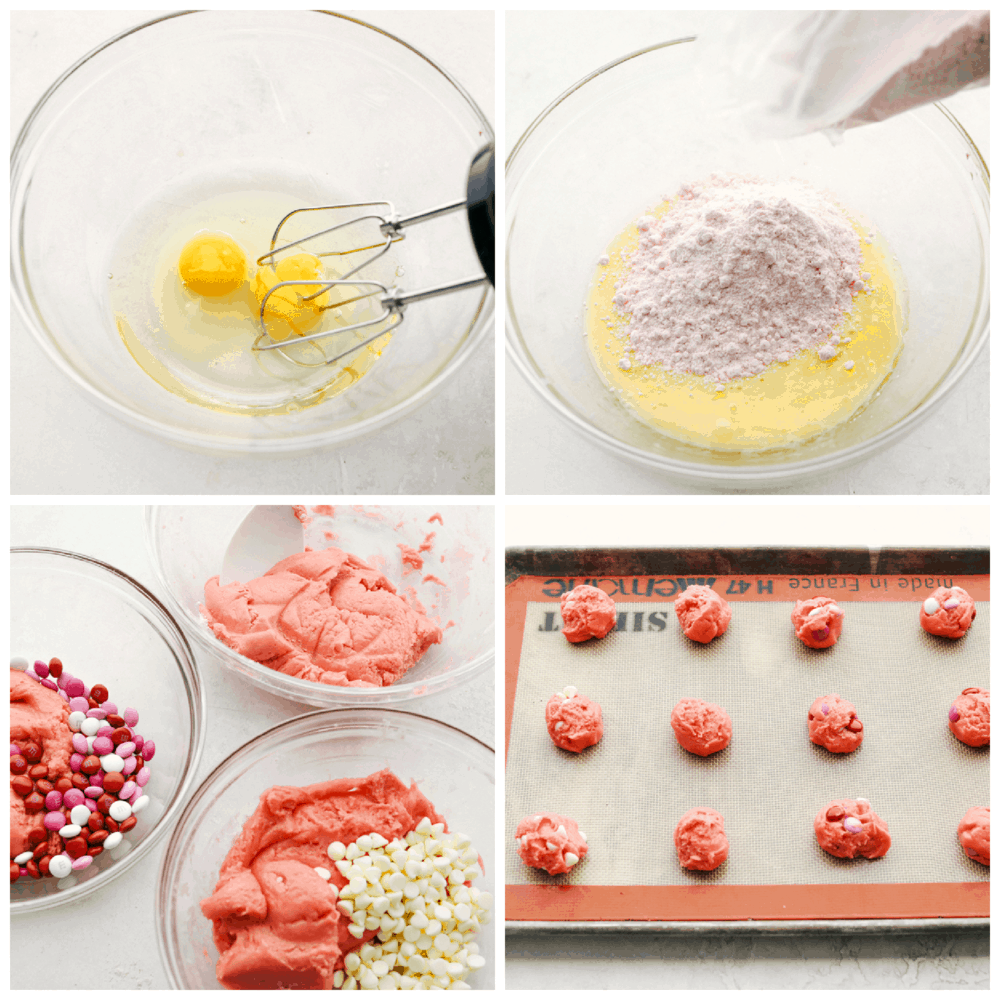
{"points": [[212, 264], [287, 311]]}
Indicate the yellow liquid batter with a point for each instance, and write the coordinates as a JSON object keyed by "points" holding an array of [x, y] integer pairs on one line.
{"points": [[195, 340], [788, 403]]}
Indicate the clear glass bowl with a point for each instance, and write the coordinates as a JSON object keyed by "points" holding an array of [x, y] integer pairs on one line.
{"points": [[187, 545], [321, 100], [632, 132], [109, 629], [455, 771]]}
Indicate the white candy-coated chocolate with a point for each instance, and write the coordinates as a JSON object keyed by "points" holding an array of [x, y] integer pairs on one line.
{"points": [[79, 815], [852, 823], [89, 728], [71, 830], [120, 811], [113, 841], [60, 866], [23, 859], [75, 721]]}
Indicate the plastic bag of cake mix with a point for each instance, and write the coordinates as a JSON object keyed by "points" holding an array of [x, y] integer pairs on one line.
{"points": [[802, 71]]}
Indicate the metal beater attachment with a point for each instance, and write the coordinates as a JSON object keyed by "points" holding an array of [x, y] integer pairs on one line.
{"points": [[362, 294]]}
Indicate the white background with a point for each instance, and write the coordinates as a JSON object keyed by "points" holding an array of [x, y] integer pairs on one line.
{"points": [[948, 454], [61, 443]]}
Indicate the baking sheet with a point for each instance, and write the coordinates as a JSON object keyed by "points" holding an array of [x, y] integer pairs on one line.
{"points": [[628, 792]]}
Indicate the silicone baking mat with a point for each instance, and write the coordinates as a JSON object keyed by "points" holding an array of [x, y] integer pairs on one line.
{"points": [[629, 791]]}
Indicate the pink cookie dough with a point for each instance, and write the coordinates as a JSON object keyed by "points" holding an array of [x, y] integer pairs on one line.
{"points": [[703, 613], [969, 717], [587, 613], [323, 616], [949, 611], [551, 842], [849, 828], [701, 840], [834, 724], [701, 727], [818, 621], [573, 720], [974, 834]]}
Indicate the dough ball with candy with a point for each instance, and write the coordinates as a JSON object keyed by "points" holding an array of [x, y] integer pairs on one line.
{"points": [[701, 727], [551, 842], [700, 839], [573, 720], [834, 724], [969, 717], [974, 834], [703, 613], [850, 828], [818, 621], [587, 613], [949, 611]]}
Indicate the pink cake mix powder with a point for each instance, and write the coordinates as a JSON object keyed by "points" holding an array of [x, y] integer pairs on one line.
{"points": [[737, 275]]}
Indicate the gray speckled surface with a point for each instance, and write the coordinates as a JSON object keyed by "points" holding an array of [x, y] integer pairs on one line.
{"points": [[237, 711], [548, 52], [445, 447]]}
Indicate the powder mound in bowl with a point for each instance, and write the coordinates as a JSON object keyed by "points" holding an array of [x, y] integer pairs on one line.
{"points": [[737, 274]]}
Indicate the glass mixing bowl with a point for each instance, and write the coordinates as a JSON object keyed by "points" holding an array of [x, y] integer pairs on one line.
{"points": [[451, 768], [320, 101], [108, 629], [631, 133], [187, 546]]}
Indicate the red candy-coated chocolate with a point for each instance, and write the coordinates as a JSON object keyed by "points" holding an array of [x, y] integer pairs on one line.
{"points": [[38, 771], [43, 865], [97, 837], [33, 871], [40, 850], [22, 784], [64, 785], [55, 667], [34, 803], [114, 781], [15, 872], [94, 851], [91, 765], [32, 753], [18, 765], [117, 721], [36, 837], [128, 824], [43, 786], [121, 734], [76, 847], [81, 781], [99, 693], [105, 802], [110, 825], [96, 822], [92, 701]]}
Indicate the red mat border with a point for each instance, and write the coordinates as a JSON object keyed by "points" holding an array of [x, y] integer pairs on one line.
{"points": [[727, 902]]}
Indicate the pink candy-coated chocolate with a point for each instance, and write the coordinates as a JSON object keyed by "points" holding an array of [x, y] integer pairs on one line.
{"points": [[14, 749], [91, 803], [79, 705], [73, 797], [82, 862], [75, 761], [31, 673], [138, 741], [105, 730], [953, 714], [62, 694], [103, 745], [143, 776], [64, 679], [125, 749], [135, 796], [80, 743], [96, 713], [42, 669], [110, 707], [130, 765], [54, 821], [148, 749], [131, 717], [128, 790], [50, 684], [74, 687], [93, 792], [86, 690], [53, 800], [97, 780]]}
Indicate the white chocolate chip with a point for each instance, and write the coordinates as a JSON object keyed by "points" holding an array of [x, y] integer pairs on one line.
{"points": [[571, 858], [570, 691], [930, 606], [561, 829], [815, 611], [551, 846], [558, 726], [835, 610], [583, 836]]}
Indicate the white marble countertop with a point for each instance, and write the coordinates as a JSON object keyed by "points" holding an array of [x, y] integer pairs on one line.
{"points": [[236, 712], [61, 443], [696, 961], [545, 54]]}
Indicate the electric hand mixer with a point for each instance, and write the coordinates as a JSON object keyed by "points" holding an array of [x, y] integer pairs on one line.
{"points": [[479, 205]]}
